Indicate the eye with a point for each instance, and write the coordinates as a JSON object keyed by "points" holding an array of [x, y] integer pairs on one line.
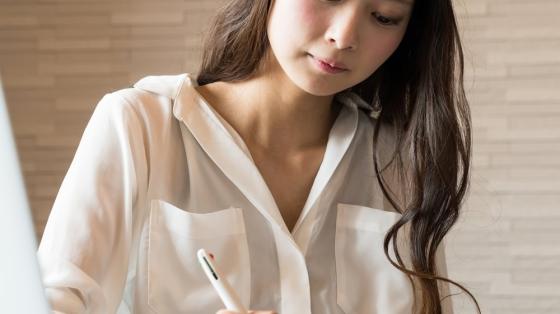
{"points": [[383, 20]]}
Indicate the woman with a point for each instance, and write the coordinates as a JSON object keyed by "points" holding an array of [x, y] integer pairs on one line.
{"points": [[314, 132]]}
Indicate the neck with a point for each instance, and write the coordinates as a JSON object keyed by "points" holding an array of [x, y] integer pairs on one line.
{"points": [[272, 114]]}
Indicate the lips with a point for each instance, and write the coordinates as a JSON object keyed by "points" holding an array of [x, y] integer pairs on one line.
{"points": [[331, 62]]}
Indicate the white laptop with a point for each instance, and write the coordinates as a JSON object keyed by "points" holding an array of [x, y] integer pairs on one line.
{"points": [[21, 288]]}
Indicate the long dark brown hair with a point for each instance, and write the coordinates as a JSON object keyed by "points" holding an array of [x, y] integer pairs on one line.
{"points": [[420, 88]]}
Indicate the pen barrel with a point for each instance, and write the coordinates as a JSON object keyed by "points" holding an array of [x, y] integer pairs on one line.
{"points": [[221, 285], [225, 291]]}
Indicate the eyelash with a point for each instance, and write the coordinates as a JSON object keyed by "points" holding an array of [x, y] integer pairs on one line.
{"points": [[388, 21]]}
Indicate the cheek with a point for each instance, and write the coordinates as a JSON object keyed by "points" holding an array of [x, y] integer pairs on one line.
{"points": [[291, 17], [305, 17], [380, 51], [306, 13]]}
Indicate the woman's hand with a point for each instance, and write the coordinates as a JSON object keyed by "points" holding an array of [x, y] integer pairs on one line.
{"points": [[250, 312]]}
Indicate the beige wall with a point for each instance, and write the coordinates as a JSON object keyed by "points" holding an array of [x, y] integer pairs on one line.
{"points": [[506, 247], [59, 57]]}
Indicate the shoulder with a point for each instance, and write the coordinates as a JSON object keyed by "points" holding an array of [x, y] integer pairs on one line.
{"points": [[149, 100], [152, 92]]}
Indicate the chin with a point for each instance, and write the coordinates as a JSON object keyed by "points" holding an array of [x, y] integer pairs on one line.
{"points": [[315, 85], [322, 90]]}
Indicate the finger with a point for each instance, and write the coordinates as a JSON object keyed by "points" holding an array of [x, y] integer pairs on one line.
{"points": [[226, 312]]}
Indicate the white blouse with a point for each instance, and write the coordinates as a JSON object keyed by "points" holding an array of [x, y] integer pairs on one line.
{"points": [[159, 174]]}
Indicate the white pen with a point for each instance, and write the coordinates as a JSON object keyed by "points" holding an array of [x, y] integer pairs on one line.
{"points": [[220, 284]]}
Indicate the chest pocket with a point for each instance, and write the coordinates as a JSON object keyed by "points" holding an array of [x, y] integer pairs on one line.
{"points": [[176, 282], [366, 281]]}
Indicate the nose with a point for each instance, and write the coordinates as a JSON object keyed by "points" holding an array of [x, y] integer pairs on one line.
{"points": [[343, 31]]}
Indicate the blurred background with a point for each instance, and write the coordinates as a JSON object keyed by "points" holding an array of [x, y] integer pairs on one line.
{"points": [[59, 57]]}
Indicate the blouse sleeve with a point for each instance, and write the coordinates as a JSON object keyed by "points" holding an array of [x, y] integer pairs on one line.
{"points": [[84, 250]]}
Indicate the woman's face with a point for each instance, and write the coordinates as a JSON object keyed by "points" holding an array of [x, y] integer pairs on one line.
{"points": [[358, 34]]}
